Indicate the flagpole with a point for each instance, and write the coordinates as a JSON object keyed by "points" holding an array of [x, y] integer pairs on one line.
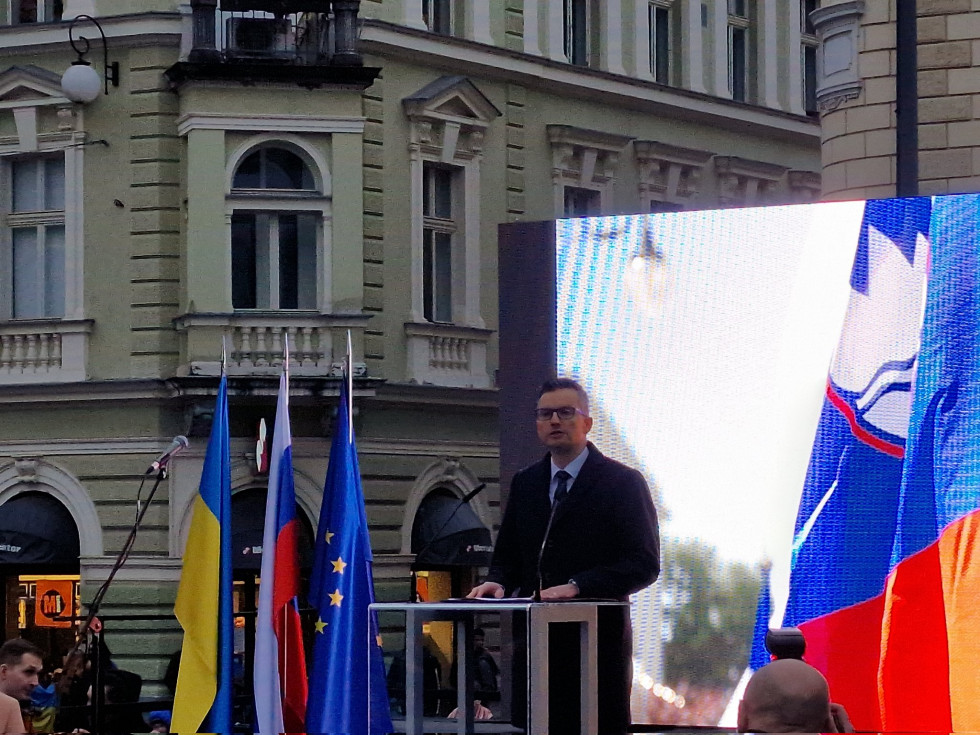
{"points": [[350, 389]]}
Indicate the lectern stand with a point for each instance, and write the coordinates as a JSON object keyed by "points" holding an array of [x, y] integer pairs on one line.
{"points": [[537, 617]]}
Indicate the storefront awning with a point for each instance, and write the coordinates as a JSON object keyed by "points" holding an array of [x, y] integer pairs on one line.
{"points": [[35, 528], [446, 533]]}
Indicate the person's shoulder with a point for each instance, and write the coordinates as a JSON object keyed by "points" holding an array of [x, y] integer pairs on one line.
{"points": [[610, 466], [532, 470]]}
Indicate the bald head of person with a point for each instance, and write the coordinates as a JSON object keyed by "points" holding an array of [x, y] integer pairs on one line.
{"points": [[787, 695]]}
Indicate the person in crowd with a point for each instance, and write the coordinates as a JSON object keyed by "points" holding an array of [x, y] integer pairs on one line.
{"points": [[20, 665], [789, 695], [578, 524], [11, 720]]}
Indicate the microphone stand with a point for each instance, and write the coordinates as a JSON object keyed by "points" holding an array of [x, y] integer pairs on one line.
{"points": [[98, 695], [544, 542]]}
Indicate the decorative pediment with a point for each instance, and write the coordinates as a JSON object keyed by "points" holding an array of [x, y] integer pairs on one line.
{"points": [[589, 157], [449, 118], [669, 173], [25, 89], [744, 182], [30, 86]]}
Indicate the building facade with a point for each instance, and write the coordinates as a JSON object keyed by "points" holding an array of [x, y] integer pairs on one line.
{"points": [[857, 96], [262, 168]]}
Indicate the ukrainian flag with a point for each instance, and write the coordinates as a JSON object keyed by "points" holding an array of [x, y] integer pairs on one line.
{"points": [[203, 608]]}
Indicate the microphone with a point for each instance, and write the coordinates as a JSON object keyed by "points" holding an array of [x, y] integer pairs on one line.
{"points": [[544, 542], [462, 501], [179, 444]]}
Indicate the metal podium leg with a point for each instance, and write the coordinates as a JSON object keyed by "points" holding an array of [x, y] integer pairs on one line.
{"points": [[588, 663], [464, 682], [414, 674], [537, 675]]}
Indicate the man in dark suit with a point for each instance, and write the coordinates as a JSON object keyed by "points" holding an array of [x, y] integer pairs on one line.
{"points": [[603, 543]]}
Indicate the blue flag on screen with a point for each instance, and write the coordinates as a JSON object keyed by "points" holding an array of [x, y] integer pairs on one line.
{"points": [[346, 646]]}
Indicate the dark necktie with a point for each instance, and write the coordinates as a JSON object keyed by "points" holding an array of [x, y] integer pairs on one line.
{"points": [[562, 490]]}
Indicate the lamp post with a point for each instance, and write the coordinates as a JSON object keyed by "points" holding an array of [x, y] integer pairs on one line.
{"points": [[81, 82]]}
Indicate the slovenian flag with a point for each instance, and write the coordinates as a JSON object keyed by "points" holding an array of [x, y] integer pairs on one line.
{"points": [[884, 582], [280, 684], [203, 700], [346, 648]]}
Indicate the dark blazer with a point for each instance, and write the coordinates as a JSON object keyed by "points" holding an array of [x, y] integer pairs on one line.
{"points": [[604, 536]]}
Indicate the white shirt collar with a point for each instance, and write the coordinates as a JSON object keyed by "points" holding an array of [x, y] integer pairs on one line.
{"points": [[572, 468]]}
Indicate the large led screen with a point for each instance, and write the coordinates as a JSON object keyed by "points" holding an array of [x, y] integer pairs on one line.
{"points": [[800, 385]]}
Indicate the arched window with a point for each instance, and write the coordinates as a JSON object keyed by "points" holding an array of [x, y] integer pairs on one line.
{"points": [[276, 231]]}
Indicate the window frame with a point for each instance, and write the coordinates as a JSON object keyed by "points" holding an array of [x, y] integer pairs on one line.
{"points": [[577, 22], [41, 221], [439, 16], [437, 291], [271, 205], [659, 9], [47, 11], [739, 34], [809, 43]]}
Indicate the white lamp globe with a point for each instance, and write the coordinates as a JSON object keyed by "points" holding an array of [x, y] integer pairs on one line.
{"points": [[81, 83]]}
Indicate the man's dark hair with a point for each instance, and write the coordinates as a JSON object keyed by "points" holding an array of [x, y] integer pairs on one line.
{"points": [[14, 650], [553, 384], [479, 631]]}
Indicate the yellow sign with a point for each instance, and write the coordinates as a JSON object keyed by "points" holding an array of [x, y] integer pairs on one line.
{"points": [[54, 599]]}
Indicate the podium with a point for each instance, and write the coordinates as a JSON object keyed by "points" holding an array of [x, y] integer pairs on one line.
{"points": [[536, 617]]}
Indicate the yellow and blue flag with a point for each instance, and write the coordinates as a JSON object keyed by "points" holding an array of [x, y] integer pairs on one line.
{"points": [[346, 644], [204, 683]]}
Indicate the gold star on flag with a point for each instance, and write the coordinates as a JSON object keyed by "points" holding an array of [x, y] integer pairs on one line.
{"points": [[330, 535], [320, 625], [335, 598], [338, 566], [378, 639]]}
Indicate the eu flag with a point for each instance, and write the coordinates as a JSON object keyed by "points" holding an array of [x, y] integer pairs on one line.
{"points": [[346, 645]]}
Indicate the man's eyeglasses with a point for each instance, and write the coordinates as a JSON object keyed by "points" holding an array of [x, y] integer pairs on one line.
{"points": [[565, 413]]}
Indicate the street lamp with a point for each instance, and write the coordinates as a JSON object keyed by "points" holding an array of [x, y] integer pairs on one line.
{"points": [[81, 82]]}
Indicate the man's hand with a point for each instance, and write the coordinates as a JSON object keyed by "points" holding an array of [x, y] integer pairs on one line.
{"points": [[560, 592], [487, 589]]}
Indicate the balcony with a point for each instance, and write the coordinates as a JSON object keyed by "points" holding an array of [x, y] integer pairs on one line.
{"points": [[254, 342], [310, 43], [449, 355], [43, 351]]}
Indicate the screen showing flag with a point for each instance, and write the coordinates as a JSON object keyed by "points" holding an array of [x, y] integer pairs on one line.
{"points": [[799, 385]]}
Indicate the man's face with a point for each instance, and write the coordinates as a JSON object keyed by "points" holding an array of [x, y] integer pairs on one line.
{"points": [[18, 680], [563, 436], [478, 643]]}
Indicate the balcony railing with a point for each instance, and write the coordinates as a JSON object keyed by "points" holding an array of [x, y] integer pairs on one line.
{"points": [[446, 354], [300, 32], [43, 351], [317, 343]]}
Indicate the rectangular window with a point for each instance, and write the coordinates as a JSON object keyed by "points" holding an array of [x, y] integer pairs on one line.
{"points": [[581, 202], [273, 260], [36, 11], [808, 39], [810, 79], [438, 16], [577, 32], [35, 238], [439, 228], [738, 62], [660, 32]]}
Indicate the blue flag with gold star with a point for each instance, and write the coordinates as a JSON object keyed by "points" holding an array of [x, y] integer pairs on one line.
{"points": [[346, 644]]}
